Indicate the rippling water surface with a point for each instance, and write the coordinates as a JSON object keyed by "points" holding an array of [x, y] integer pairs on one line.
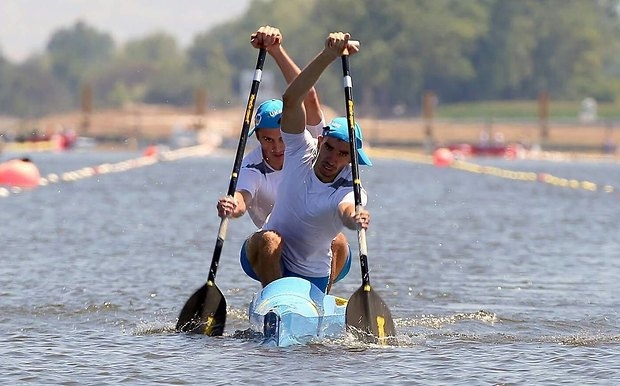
{"points": [[490, 280]]}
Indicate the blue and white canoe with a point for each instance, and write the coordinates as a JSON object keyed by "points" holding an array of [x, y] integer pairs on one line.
{"points": [[292, 311]]}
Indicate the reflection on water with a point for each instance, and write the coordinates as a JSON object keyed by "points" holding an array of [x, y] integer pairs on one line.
{"points": [[490, 280]]}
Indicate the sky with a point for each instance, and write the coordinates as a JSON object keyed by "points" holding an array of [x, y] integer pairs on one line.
{"points": [[26, 25]]}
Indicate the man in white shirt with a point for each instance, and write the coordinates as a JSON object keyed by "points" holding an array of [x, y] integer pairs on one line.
{"points": [[315, 199], [260, 174]]}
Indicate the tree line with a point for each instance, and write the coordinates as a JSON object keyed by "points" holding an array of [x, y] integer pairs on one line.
{"points": [[461, 50]]}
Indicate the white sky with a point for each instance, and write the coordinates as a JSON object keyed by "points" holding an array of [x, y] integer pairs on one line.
{"points": [[26, 25]]}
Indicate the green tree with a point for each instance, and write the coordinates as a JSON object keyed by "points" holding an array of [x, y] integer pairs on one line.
{"points": [[503, 58], [77, 53], [211, 69], [462, 50], [151, 69], [568, 54], [30, 90], [532, 45], [166, 82], [408, 46]]}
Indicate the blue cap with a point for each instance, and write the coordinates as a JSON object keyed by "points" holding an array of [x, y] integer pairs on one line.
{"points": [[338, 128], [268, 115]]}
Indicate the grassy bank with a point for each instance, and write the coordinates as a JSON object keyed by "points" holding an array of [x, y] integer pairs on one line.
{"points": [[514, 121], [557, 110]]}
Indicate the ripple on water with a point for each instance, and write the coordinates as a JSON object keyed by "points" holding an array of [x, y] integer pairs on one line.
{"points": [[490, 281]]}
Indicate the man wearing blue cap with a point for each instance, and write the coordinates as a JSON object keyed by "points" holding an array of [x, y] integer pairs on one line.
{"points": [[315, 199], [260, 174]]}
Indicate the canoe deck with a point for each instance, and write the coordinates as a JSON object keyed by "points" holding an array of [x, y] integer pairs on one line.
{"points": [[292, 311]]}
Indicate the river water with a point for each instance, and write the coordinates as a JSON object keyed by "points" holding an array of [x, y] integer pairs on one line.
{"points": [[491, 280]]}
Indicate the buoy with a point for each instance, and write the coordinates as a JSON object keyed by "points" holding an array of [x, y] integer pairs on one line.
{"points": [[151, 151], [442, 157], [19, 173]]}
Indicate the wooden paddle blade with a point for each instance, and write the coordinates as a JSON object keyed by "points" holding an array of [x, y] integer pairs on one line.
{"points": [[204, 313], [369, 318]]}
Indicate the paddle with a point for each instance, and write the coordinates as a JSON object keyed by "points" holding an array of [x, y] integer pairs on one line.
{"points": [[367, 316], [205, 311]]}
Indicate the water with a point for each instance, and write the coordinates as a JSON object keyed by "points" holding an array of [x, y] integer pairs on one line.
{"points": [[490, 280]]}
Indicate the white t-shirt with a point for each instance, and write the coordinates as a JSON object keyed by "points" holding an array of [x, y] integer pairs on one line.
{"points": [[306, 213], [261, 181]]}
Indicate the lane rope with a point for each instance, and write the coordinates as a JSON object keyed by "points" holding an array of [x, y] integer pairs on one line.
{"points": [[203, 150], [107, 168], [540, 177]]}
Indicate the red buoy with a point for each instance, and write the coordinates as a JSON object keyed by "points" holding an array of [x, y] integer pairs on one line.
{"points": [[151, 151], [442, 157], [19, 173]]}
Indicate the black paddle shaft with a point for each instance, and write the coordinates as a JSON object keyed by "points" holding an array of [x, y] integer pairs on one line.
{"points": [[357, 184], [367, 315], [234, 177], [205, 311]]}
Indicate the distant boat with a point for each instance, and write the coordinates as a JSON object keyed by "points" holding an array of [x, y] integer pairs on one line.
{"points": [[84, 143], [36, 143], [183, 137], [465, 150]]}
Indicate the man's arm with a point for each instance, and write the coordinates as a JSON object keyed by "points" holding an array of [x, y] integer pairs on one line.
{"points": [[350, 219], [271, 39], [293, 112], [233, 206], [290, 70]]}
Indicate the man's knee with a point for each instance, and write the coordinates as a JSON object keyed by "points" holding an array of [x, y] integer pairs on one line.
{"points": [[271, 242], [340, 247], [264, 254], [263, 243]]}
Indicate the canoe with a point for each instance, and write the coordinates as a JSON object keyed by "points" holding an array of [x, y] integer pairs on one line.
{"points": [[293, 311], [509, 151], [42, 143]]}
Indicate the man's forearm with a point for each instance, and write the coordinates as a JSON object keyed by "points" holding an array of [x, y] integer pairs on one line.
{"points": [[287, 66], [297, 90]]}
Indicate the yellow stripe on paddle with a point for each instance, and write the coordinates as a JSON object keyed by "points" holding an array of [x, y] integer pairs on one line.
{"points": [[209, 325], [381, 326]]}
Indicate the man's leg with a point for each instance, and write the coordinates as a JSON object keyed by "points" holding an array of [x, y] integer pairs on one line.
{"points": [[264, 249], [340, 253]]}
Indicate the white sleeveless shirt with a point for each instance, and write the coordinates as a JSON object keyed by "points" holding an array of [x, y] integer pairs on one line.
{"points": [[306, 212]]}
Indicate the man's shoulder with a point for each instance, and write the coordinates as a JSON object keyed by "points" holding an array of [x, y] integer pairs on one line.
{"points": [[254, 163], [342, 183], [254, 156], [293, 136], [303, 142]]}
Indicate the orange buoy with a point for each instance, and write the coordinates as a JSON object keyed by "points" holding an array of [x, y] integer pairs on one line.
{"points": [[442, 157], [151, 151], [19, 173]]}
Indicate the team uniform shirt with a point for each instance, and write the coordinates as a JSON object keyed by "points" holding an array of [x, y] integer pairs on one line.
{"points": [[306, 213], [317, 130], [261, 181]]}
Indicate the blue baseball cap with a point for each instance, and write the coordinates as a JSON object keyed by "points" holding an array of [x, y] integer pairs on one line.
{"points": [[268, 115], [339, 129]]}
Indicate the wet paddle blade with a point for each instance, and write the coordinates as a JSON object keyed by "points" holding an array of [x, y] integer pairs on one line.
{"points": [[369, 318], [204, 312]]}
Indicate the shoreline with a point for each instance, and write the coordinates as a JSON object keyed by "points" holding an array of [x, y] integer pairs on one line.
{"points": [[414, 154], [141, 124]]}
